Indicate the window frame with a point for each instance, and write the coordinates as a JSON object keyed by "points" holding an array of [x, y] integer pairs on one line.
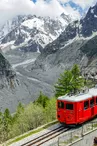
{"points": [[62, 106], [92, 104], [71, 109], [87, 105]]}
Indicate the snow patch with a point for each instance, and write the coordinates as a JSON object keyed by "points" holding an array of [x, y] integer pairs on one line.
{"points": [[24, 63], [95, 16], [92, 11], [37, 23], [33, 79], [7, 46]]}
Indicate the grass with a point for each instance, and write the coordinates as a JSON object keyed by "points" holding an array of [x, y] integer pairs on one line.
{"points": [[32, 132], [26, 135], [95, 125], [74, 138]]}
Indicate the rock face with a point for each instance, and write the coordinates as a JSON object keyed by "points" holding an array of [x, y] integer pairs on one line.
{"points": [[89, 22], [13, 89], [7, 78]]}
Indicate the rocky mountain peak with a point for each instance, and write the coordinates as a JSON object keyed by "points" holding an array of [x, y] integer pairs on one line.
{"points": [[41, 30], [89, 23], [66, 17], [78, 28], [76, 31]]}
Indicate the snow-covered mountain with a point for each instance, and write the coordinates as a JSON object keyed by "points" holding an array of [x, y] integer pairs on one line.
{"points": [[10, 25], [32, 32], [76, 45]]}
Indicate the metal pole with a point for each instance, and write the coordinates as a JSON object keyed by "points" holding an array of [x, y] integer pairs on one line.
{"points": [[58, 141], [71, 138], [92, 125], [82, 131]]}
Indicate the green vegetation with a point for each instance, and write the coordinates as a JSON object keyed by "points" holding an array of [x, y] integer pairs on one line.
{"points": [[32, 132], [24, 136], [42, 100], [95, 125], [27, 118], [69, 82]]}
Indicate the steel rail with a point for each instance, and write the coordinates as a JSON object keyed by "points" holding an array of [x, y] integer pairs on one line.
{"points": [[45, 136]]}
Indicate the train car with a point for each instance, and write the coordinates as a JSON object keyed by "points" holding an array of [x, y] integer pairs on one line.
{"points": [[73, 110]]}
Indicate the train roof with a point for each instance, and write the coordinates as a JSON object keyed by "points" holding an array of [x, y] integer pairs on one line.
{"points": [[79, 97], [93, 91], [75, 98]]}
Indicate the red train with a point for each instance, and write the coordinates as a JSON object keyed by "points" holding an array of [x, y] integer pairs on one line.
{"points": [[73, 110]]}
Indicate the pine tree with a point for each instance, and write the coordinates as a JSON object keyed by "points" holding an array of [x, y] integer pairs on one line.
{"points": [[42, 99], [6, 122], [64, 84], [69, 82], [77, 79]]}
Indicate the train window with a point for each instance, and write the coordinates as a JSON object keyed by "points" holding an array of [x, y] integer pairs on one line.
{"points": [[86, 105], [69, 106], [92, 102], [60, 104]]}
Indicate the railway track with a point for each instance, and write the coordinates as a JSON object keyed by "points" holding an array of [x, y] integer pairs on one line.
{"points": [[46, 137]]}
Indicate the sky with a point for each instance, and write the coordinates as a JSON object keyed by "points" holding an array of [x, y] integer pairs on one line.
{"points": [[52, 8]]}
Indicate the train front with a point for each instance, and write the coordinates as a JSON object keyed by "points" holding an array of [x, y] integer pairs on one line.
{"points": [[66, 111]]}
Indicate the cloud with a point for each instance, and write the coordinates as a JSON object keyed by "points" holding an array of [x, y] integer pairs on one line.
{"points": [[11, 8], [75, 14], [52, 8], [77, 8], [82, 3], [85, 3]]}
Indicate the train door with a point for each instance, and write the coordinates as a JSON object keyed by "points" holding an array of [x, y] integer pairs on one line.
{"points": [[60, 111], [70, 113], [86, 111], [92, 106], [80, 110]]}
